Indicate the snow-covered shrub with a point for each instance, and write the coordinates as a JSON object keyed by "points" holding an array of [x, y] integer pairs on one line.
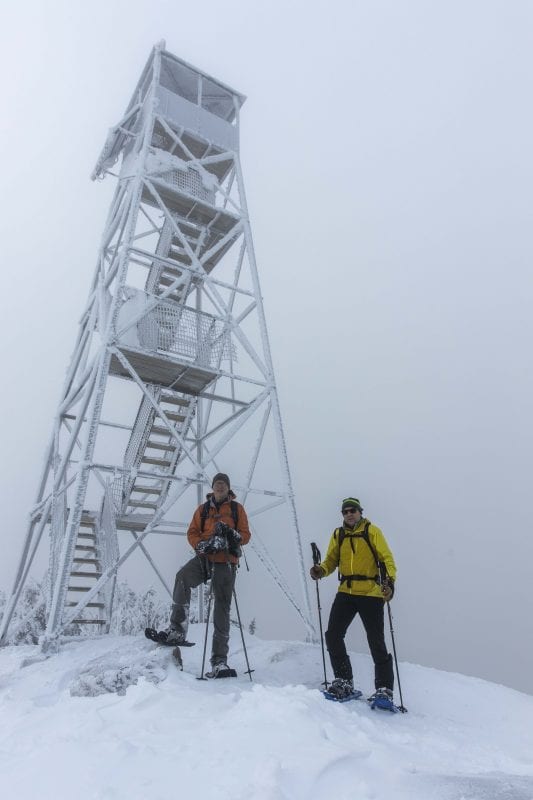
{"points": [[133, 612]]}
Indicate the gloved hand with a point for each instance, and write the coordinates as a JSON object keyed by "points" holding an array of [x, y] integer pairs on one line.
{"points": [[387, 589], [222, 529], [233, 537], [215, 544], [202, 546], [317, 572]]}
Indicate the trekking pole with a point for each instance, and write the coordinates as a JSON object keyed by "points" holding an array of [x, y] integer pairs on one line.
{"points": [[401, 706], [248, 671], [201, 678], [317, 558]]}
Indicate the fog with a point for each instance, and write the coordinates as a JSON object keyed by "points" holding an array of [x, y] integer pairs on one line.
{"points": [[386, 150]]}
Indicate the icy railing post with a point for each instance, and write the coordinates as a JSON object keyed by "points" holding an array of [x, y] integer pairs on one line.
{"points": [[57, 533], [107, 544]]}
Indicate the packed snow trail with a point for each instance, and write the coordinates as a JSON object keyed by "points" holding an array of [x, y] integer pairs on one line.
{"points": [[66, 732]]}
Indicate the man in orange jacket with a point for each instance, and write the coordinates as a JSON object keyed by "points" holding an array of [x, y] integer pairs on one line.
{"points": [[218, 529]]}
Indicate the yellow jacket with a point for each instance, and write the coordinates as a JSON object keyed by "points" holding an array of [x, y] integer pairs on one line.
{"points": [[354, 557]]}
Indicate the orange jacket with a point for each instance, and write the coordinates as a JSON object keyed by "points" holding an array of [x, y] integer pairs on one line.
{"points": [[195, 534]]}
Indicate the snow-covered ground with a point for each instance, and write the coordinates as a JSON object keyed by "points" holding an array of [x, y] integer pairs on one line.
{"points": [[67, 733]]}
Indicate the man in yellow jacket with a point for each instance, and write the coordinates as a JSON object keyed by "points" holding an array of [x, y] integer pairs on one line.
{"points": [[367, 573]]}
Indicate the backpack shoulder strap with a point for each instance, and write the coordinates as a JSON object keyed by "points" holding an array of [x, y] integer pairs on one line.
{"points": [[379, 564], [366, 537], [204, 514], [235, 512], [339, 534]]}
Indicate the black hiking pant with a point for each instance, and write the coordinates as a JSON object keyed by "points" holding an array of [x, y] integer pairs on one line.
{"points": [[343, 611], [191, 575]]}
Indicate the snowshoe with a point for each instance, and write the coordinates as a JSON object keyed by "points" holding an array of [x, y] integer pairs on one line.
{"points": [[355, 695], [162, 637], [221, 670], [382, 698], [341, 691]]}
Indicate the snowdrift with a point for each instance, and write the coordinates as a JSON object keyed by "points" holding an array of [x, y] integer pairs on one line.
{"points": [[114, 718]]}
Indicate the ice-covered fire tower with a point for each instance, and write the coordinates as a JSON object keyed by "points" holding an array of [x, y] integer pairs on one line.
{"points": [[171, 377]]}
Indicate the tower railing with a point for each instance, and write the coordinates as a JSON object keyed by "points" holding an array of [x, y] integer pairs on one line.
{"points": [[107, 545], [181, 331]]}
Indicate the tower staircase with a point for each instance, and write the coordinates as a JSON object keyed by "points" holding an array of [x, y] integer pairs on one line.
{"points": [[152, 449], [85, 571]]}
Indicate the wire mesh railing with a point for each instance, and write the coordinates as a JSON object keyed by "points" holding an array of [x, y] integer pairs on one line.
{"points": [[190, 182], [184, 332]]}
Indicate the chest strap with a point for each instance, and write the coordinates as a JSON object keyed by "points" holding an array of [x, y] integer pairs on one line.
{"points": [[349, 578]]}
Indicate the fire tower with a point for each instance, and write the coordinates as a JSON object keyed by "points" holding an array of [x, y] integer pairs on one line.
{"points": [[171, 377]]}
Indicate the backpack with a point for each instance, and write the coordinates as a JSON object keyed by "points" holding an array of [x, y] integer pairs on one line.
{"points": [[205, 513], [382, 570]]}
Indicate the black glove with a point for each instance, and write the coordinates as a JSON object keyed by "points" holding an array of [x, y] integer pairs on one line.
{"points": [[202, 546], [316, 572], [233, 538], [215, 544], [387, 589], [224, 530]]}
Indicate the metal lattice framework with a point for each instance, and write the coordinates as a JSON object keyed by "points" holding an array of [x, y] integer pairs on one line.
{"points": [[175, 322]]}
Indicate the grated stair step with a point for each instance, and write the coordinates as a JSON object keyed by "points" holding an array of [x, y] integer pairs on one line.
{"points": [[174, 417], [160, 430], [176, 401], [160, 446], [86, 574]]}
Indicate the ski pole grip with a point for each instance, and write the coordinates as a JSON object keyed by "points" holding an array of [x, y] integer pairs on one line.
{"points": [[317, 558]]}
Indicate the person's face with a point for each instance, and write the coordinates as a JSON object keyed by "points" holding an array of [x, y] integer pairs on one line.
{"points": [[351, 516], [220, 490]]}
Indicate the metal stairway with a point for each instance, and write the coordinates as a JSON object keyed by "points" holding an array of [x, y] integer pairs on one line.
{"points": [[152, 446], [161, 275], [85, 570]]}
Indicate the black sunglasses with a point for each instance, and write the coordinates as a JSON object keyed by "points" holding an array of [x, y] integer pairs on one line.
{"points": [[348, 511]]}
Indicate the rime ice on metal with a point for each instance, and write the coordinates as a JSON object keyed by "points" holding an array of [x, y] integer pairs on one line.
{"points": [[175, 328]]}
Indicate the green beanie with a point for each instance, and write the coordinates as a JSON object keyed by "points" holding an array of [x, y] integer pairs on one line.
{"points": [[351, 502]]}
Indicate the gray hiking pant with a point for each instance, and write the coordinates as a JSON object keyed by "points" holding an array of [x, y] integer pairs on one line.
{"points": [[191, 575]]}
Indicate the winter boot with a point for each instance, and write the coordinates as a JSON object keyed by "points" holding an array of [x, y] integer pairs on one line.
{"points": [[341, 688], [172, 637], [220, 669], [382, 698]]}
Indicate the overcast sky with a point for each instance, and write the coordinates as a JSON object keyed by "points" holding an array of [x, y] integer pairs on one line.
{"points": [[386, 149]]}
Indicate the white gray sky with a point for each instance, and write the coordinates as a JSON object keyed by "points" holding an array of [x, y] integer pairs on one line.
{"points": [[386, 148]]}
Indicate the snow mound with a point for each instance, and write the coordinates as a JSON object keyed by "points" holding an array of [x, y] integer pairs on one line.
{"points": [[113, 672], [115, 719]]}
